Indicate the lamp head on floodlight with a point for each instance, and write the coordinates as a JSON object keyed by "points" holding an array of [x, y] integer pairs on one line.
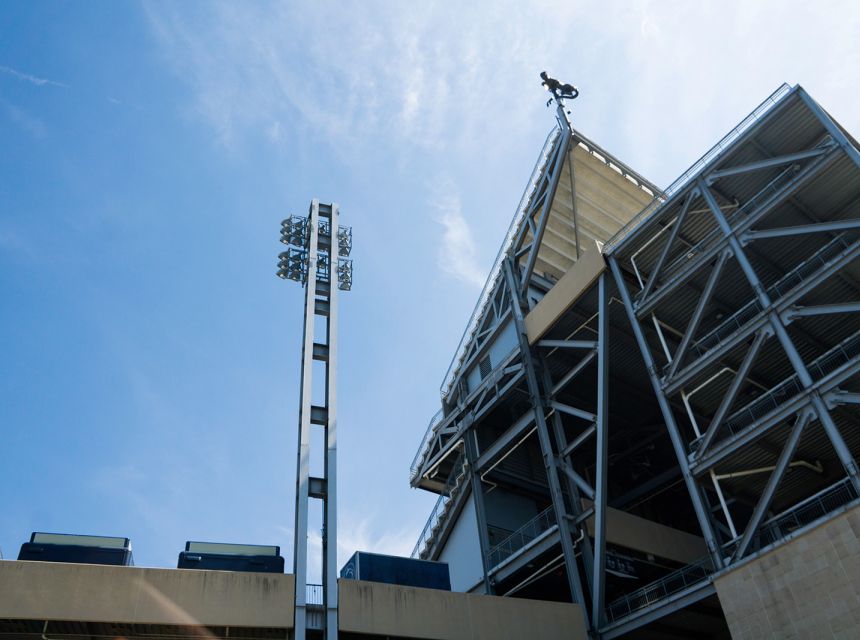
{"points": [[294, 263]]}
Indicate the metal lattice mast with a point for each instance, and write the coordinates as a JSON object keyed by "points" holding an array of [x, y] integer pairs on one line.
{"points": [[318, 247]]}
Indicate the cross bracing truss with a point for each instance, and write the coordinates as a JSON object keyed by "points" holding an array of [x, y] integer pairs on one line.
{"points": [[732, 286], [740, 291]]}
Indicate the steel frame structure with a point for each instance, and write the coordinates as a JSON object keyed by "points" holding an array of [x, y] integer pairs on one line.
{"points": [[509, 301], [732, 237], [317, 259], [694, 237]]}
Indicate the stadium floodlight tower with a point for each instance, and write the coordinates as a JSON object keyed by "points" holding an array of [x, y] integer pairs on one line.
{"points": [[317, 257]]}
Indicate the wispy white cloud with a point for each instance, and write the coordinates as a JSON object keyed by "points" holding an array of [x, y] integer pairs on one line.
{"points": [[433, 75], [26, 77], [359, 534], [457, 251], [27, 122]]}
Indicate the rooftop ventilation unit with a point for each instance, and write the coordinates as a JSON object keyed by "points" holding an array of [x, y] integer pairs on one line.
{"points": [[231, 557], [63, 547], [406, 572]]}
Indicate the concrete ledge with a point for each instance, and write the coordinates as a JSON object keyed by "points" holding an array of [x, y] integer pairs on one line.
{"points": [[566, 291], [406, 612], [134, 595], [634, 532]]}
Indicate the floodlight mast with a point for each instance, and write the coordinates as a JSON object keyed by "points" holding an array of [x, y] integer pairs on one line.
{"points": [[317, 257]]}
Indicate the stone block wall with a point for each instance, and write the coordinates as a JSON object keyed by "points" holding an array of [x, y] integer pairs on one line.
{"points": [[806, 588]]}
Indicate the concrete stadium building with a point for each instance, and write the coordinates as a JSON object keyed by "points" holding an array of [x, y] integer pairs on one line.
{"points": [[648, 430], [653, 410]]}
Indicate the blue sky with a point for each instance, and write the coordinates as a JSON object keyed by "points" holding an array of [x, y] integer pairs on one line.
{"points": [[149, 357]]}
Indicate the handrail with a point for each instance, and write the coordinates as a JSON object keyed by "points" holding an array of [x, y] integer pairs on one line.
{"points": [[666, 586], [420, 454], [715, 234], [543, 521], [776, 291], [765, 196], [438, 512], [791, 386], [314, 594], [496, 270], [697, 167], [801, 514], [807, 511]]}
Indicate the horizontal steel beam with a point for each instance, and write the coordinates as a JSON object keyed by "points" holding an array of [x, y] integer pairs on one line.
{"points": [[689, 269], [568, 344], [573, 411], [799, 230], [765, 164], [693, 369], [819, 310], [514, 432], [755, 430], [837, 397]]}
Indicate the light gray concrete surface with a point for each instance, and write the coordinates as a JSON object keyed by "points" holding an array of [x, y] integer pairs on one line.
{"points": [[406, 612], [806, 588], [135, 595]]}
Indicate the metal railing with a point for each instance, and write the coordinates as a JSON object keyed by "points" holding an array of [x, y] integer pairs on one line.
{"points": [[776, 291], [489, 380], [542, 522], [805, 512], [314, 594], [660, 589], [760, 200], [839, 355], [496, 271], [418, 460], [437, 516], [716, 234], [698, 167]]}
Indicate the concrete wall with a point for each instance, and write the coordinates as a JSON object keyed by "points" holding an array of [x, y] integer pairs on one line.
{"points": [[497, 351], [462, 550], [565, 292], [807, 588], [134, 595], [633, 532], [406, 612], [508, 510]]}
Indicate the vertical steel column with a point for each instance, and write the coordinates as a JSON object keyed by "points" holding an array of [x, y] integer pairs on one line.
{"points": [[573, 488], [702, 513], [537, 399], [598, 616], [480, 510], [546, 209], [300, 539], [830, 427], [329, 538]]}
